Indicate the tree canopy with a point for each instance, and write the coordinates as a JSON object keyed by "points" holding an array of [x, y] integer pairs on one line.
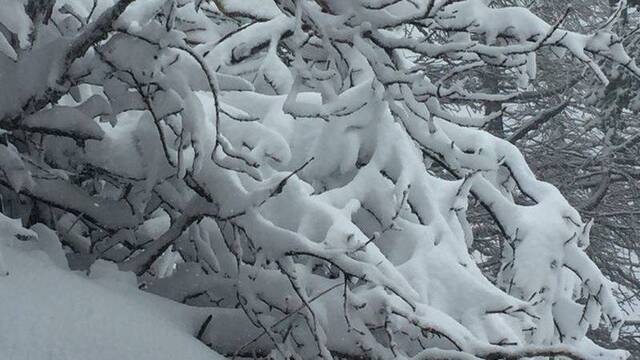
{"points": [[306, 169]]}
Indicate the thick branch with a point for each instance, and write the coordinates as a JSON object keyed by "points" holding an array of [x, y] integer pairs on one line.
{"points": [[537, 121]]}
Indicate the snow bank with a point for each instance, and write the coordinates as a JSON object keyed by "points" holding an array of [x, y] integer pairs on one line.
{"points": [[49, 312]]}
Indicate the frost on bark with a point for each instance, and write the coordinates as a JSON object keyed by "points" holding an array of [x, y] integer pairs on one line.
{"points": [[288, 164]]}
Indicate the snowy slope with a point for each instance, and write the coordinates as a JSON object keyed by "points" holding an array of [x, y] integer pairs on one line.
{"points": [[47, 312]]}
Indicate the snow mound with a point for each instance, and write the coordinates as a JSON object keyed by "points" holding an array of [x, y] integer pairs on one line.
{"points": [[49, 312]]}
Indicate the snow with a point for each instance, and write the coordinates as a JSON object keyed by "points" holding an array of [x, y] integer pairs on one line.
{"points": [[256, 9], [527, 28], [200, 185], [16, 20], [30, 75], [64, 120], [6, 49], [14, 169], [49, 312]]}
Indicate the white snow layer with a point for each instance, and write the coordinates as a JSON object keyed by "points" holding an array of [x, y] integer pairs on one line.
{"points": [[49, 312]]}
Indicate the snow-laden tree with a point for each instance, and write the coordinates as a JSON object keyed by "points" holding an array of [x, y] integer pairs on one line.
{"points": [[288, 165], [577, 134]]}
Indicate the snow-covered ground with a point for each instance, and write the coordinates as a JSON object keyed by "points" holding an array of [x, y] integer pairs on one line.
{"points": [[50, 313]]}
